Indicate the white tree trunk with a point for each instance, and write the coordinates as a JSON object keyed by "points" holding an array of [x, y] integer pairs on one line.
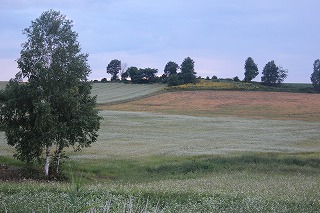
{"points": [[46, 167], [57, 158]]}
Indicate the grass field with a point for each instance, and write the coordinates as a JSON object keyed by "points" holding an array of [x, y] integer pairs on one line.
{"points": [[248, 104], [203, 151], [119, 92], [3, 84]]}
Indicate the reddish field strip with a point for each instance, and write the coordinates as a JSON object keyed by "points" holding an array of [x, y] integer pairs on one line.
{"points": [[263, 105]]}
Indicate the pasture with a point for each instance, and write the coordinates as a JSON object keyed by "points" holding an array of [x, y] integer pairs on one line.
{"points": [[192, 151], [116, 92], [3, 84]]}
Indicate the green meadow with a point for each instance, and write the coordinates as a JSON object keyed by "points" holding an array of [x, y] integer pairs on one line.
{"points": [[157, 162]]}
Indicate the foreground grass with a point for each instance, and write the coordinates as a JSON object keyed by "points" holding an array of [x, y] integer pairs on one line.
{"points": [[253, 182], [155, 168], [99, 198]]}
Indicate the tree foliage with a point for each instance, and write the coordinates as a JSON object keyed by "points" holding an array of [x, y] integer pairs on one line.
{"points": [[141, 76], [315, 76], [175, 80], [272, 74], [54, 106], [114, 68], [171, 68], [188, 74], [251, 70]]}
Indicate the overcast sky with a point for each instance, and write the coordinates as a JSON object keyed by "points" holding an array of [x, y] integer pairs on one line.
{"points": [[219, 35]]}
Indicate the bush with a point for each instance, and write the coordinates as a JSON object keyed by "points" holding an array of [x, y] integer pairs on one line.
{"points": [[174, 80], [236, 79]]}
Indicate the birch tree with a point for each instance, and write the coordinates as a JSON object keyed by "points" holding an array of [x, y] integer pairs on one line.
{"points": [[53, 108]]}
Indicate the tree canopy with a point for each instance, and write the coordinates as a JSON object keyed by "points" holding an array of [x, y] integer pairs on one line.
{"points": [[140, 76], [54, 106], [251, 70], [188, 74], [272, 74], [315, 76], [171, 68], [114, 68]]}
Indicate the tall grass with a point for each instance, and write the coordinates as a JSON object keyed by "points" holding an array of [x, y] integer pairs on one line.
{"points": [[235, 191]]}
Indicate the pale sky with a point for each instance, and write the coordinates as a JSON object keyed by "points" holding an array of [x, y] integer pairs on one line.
{"points": [[219, 35]]}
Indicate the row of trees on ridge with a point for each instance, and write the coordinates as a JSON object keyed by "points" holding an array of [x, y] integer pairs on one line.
{"points": [[272, 74], [171, 75]]}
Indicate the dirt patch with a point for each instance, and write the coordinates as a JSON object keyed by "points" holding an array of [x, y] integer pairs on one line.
{"points": [[264, 105], [10, 173]]}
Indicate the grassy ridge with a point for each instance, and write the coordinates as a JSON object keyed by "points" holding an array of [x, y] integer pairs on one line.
{"points": [[242, 86], [119, 92]]}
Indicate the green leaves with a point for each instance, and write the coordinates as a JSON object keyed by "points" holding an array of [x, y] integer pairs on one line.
{"points": [[171, 68], [140, 76], [272, 74], [114, 68], [251, 70], [54, 106], [315, 76]]}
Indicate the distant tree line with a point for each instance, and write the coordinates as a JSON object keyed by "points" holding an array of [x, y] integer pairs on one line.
{"points": [[272, 74], [136, 75]]}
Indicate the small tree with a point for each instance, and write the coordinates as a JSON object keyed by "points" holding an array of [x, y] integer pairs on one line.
{"points": [[141, 76], [124, 67], [54, 107], [148, 75], [282, 74], [131, 72], [187, 71], [171, 68], [114, 68], [315, 76], [272, 74], [236, 79], [251, 70], [214, 78]]}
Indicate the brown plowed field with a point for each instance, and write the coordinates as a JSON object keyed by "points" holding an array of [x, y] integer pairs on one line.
{"points": [[261, 105]]}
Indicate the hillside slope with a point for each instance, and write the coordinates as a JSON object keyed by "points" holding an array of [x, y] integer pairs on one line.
{"points": [[249, 104], [119, 92]]}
